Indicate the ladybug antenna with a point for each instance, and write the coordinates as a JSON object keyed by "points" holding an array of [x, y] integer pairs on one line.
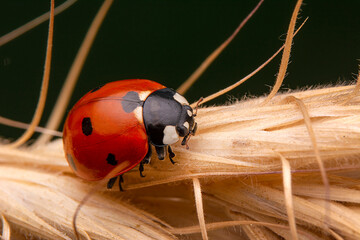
{"points": [[197, 105]]}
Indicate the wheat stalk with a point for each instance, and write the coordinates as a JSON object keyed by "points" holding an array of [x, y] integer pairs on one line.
{"points": [[235, 157]]}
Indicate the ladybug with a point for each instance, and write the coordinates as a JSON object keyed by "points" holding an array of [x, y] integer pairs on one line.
{"points": [[118, 122]]}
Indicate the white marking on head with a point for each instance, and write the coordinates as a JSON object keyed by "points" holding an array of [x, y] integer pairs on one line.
{"points": [[138, 112], [189, 113], [180, 99], [186, 124], [170, 135], [143, 95]]}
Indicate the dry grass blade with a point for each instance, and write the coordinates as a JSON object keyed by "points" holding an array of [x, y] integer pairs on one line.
{"points": [[204, 65], [200, 208], [65, 94], [311, 132], [241, 81], [6, 231], [33, 23], [309, 127], [17, 124], [335, 235], [288, 196], [217, 225], [44, 86], [286, 54]]}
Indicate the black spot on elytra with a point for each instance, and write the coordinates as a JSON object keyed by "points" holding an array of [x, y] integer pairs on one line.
{"points": [[86, 126], [111, 159], [131, 101], [97, 88]]}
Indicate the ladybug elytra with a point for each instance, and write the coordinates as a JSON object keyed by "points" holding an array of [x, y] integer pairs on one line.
{"points": [[119, 121]]}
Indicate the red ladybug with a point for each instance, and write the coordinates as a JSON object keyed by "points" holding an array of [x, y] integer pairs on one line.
{"points": [[117, 122]]}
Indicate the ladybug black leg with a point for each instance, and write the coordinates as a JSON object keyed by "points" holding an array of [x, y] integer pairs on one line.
{"points": [[111, 182], [147, 158], [121, 180], [141, 169], [171, 155], [160, 152]]}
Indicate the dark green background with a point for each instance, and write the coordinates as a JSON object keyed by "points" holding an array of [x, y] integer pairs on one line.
{"points": [[166, 40]]}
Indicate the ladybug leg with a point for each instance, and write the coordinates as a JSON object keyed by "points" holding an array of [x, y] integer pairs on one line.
{"points": [[111, 182], [121, 180], [141, 169], [160, 152], [146, 160], [171, 155]]}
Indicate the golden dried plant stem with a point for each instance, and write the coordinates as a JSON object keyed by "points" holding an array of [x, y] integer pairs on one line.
{"points": [[317, 191], [206, 63], [71, 79], [182, 177], [312, 135], [335, 235], [33, 23], [6, 231], [186, 176], [238, 83], [288, 196], [17, 124], [218, 225], [286, 54], [44, 87], [200, 208]]}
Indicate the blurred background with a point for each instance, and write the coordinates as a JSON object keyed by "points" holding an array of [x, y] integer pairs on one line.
{"points": [[166, 41]]}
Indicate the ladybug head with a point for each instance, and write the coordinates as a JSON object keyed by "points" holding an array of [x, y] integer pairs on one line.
{"points": [[167, 117]]}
